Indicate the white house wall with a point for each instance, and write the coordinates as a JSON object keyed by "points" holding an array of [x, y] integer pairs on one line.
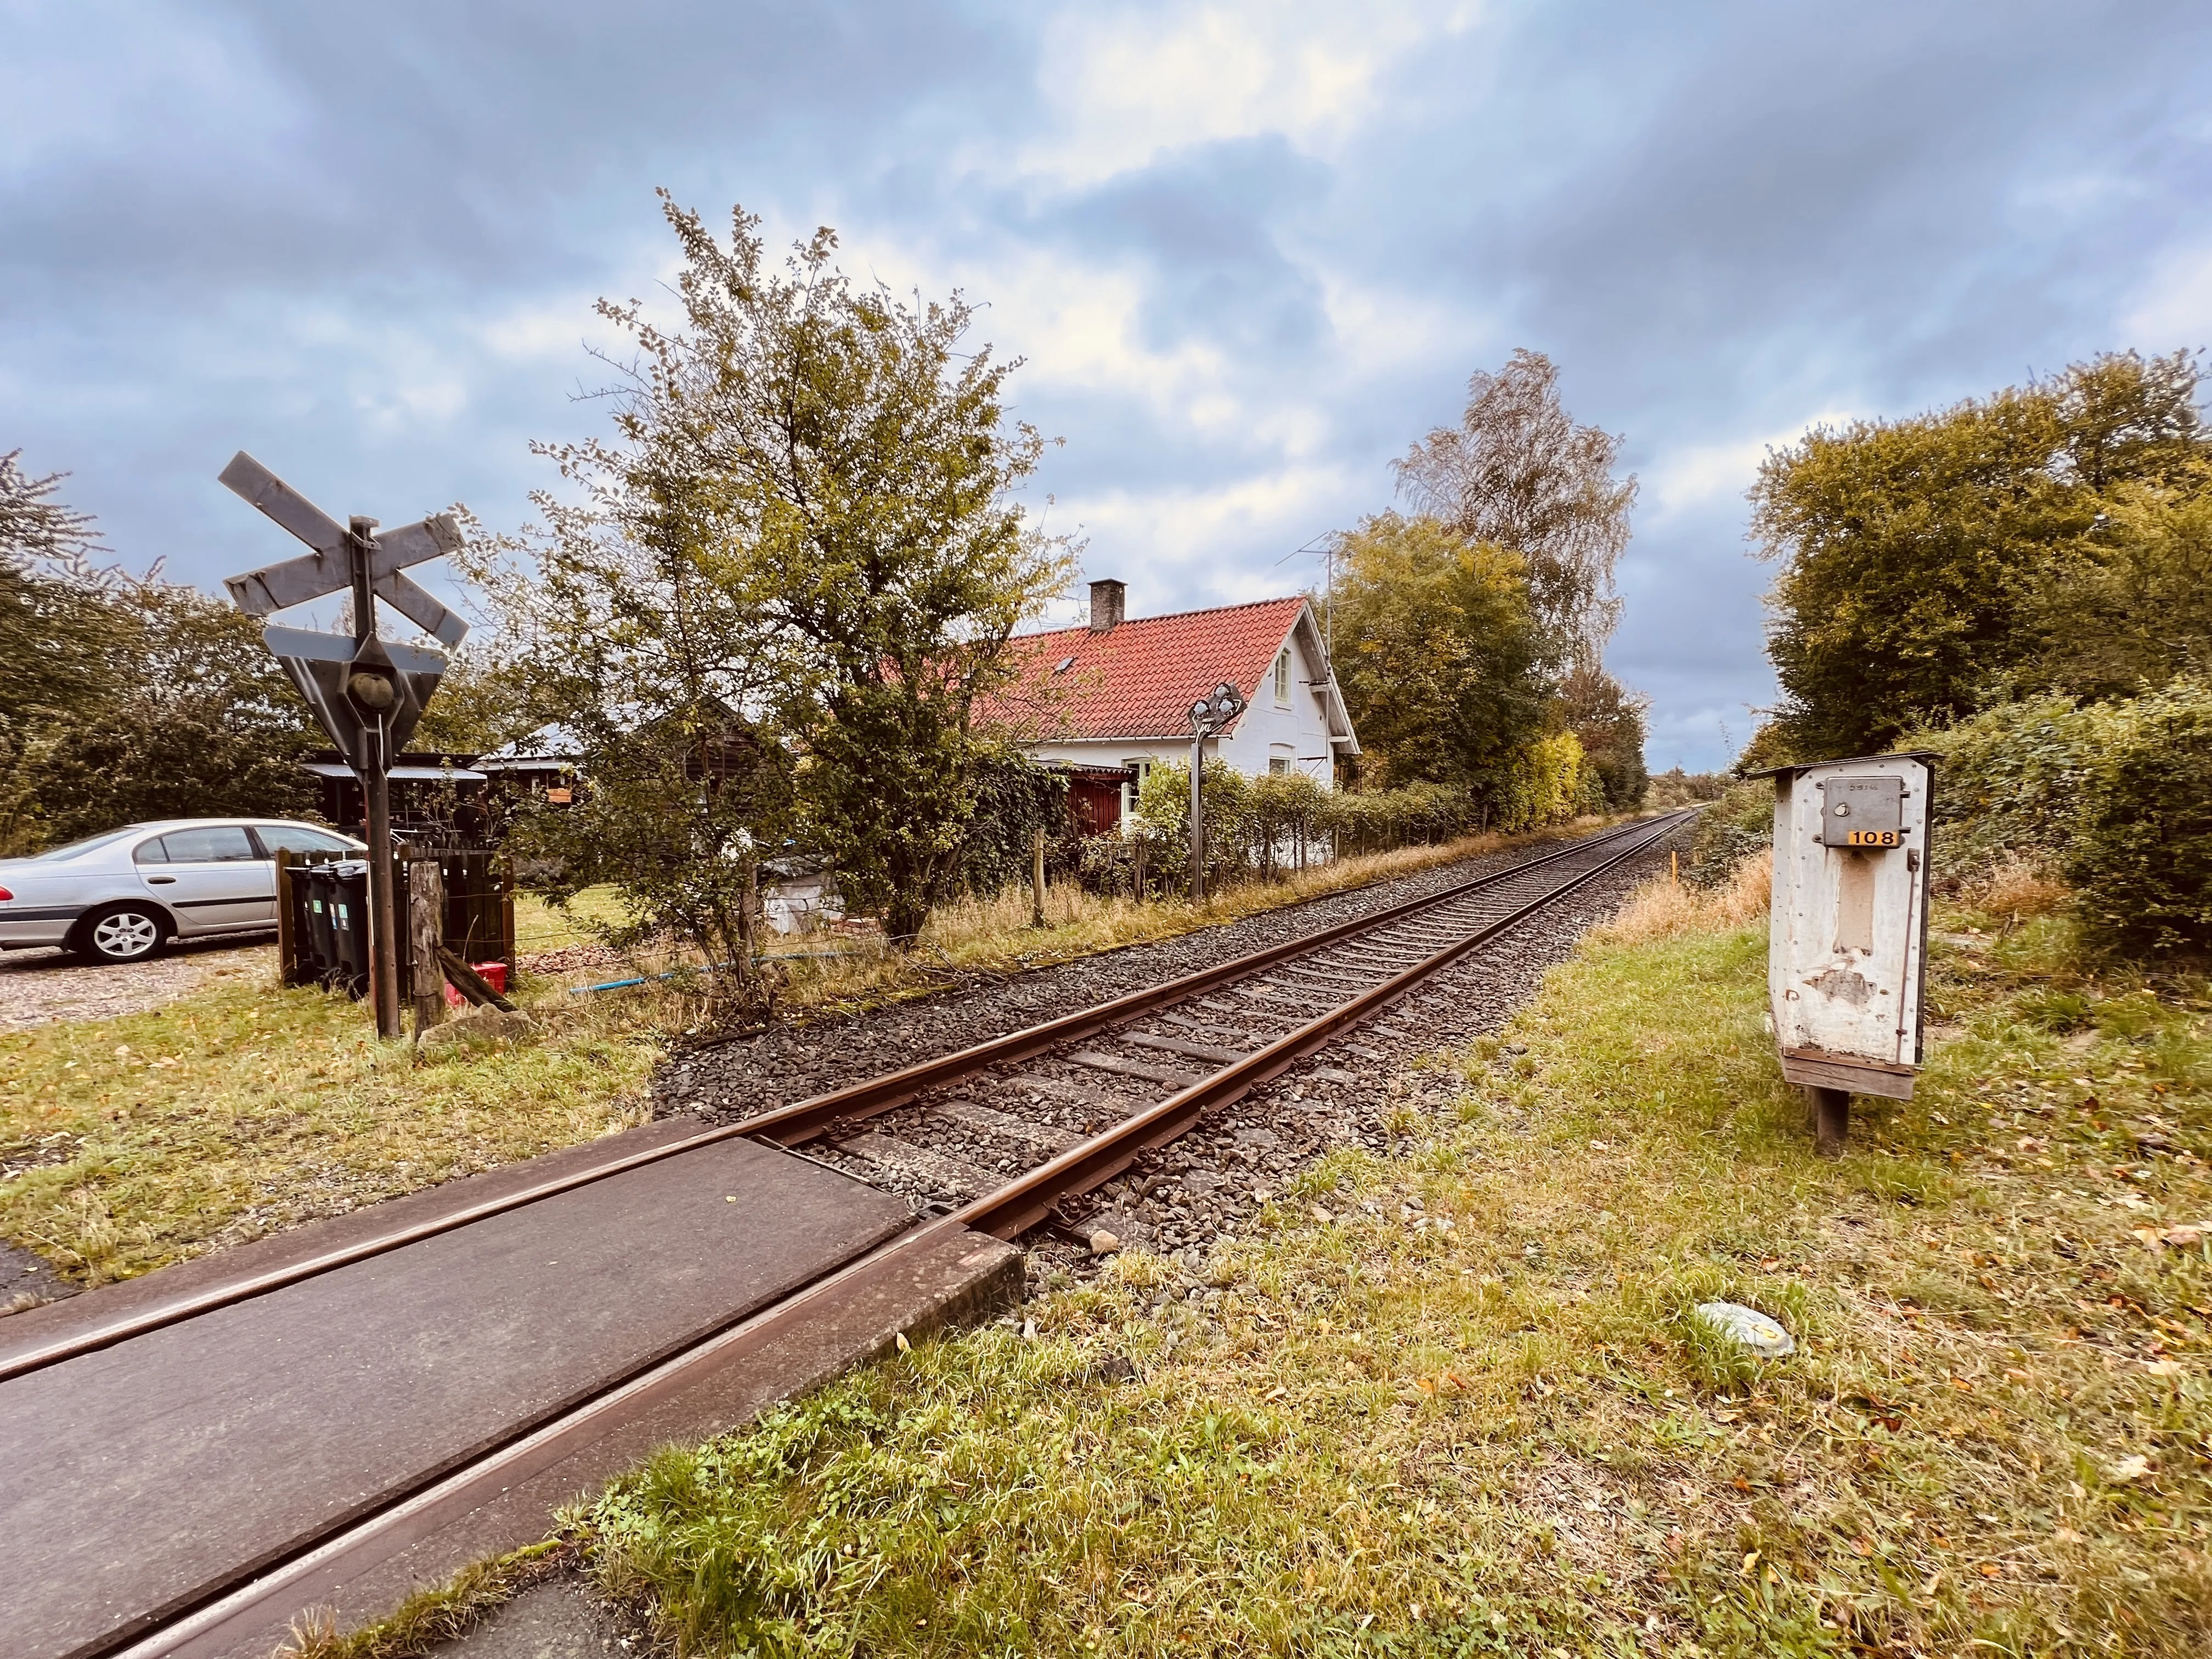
{"points": [[1299, 733]]}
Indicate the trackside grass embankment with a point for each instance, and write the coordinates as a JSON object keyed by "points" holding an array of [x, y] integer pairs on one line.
{"points": [[1451, 1402]]}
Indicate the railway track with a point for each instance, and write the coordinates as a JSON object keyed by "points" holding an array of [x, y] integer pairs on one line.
{"points": [[993, 1140], [1003, 1135]]}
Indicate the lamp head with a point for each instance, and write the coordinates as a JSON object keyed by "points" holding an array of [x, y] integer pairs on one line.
{"points": [[373, 691]]}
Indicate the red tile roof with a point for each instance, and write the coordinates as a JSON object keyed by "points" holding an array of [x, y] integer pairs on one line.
{"points": [[1139, 678]]}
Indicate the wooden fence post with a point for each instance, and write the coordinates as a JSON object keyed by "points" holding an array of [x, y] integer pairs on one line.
{"points": [[426, 931], [288, 948], [1036, 879]]}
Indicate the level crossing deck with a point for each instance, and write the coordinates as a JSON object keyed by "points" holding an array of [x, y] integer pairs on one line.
{"points": [[139, 1480]]}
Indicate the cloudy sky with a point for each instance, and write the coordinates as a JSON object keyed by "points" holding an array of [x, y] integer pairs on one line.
{"points": [[1249, 251]]}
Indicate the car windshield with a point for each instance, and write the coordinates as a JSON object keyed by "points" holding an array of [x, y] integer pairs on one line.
{"points": [[75, 849]]}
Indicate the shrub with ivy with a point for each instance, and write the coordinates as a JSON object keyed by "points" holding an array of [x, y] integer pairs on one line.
{"points": [[2141, 853]]}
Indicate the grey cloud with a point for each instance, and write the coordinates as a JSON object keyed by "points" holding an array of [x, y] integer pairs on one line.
{"points": [[1719, 219]]}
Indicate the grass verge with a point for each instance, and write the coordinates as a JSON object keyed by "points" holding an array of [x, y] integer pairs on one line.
{"points": [[439, 1613], [1453, 1401], [242, 1108]]}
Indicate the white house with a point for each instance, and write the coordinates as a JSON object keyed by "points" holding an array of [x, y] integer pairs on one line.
{"points": [[1115, 696]]}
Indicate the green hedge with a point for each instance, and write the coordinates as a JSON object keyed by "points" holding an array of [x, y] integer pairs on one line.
{"points": [[2142, 859], [2117, 796]]}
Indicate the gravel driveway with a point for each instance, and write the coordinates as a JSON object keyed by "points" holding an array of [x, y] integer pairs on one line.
{"points": [[47, 988]]}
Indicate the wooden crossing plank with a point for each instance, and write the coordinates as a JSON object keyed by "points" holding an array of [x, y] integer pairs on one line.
{"points": [[144, 1476]]}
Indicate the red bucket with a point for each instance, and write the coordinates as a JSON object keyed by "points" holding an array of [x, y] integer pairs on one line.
{"points": [[493, 973]]}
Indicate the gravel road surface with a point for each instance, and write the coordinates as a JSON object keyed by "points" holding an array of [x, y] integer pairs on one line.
{"points": [[47, 987]]}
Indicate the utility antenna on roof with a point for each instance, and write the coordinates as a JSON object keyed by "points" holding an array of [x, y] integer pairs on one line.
{"points": [[1327, 588]]}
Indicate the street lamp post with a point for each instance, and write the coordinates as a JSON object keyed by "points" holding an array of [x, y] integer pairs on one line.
{"points": [[1209, 717]]}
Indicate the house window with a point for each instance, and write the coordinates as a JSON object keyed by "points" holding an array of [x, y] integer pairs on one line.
{"points": [[1283, 678], [1143, 768], [1279, 765]]}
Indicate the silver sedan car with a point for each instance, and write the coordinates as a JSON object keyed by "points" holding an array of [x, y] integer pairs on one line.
{"points": [[123, 895]]}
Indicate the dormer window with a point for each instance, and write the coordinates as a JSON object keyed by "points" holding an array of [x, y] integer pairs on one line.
{"points": [[1283, 678]]}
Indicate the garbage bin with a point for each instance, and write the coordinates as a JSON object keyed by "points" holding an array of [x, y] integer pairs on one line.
{"points": [[334, 905]]}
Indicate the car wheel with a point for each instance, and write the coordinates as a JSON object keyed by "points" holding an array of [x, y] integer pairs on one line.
{"points": [[122, 933]]}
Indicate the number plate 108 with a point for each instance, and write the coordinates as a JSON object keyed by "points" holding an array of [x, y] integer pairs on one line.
{"points": [[1871, 838]]}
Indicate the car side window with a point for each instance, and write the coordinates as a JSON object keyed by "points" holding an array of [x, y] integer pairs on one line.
{"points": [[293, 838], [224, 844], [151, 852]]}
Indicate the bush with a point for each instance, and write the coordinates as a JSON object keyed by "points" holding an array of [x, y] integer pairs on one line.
{"points": [[1740, 824], [2117, 796], [2010, 782], [2141, 854], [1015, 797]]}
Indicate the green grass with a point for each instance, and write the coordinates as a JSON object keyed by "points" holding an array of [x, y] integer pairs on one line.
{"points": [[1370, 1433], [540, 926], [438, 1614], [243, 1109]]}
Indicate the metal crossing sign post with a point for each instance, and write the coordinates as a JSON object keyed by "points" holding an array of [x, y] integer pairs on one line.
{"points": [[367, 693]]}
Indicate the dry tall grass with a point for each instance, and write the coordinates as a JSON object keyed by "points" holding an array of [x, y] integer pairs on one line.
{"points": [[2019, 889], [1666, 907]]}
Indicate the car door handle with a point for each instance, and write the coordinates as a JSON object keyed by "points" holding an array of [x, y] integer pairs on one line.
{"points": [[159, 881]]}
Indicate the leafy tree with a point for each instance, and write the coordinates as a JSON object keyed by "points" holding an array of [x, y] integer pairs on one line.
{"points": [[1675, 788], [194, 719], [35, 527], [2129, 605], [126, 698], [1518, 473], [1912, 551], [485, 699], [1607, 718], [677, 814], [1439, 653], [804, 515], [55, 632]]}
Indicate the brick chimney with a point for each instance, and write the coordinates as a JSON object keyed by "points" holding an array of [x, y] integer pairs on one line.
{"points": [[1107, 598]]}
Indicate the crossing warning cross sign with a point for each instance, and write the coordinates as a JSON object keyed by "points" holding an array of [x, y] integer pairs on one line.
{"points": [[368, 693], [331, 566]]}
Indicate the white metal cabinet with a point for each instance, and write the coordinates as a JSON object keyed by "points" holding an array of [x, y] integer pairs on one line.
{"points": [[1847, 956]]}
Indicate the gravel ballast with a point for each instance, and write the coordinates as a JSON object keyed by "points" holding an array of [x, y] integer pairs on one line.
{"points": [[726, 1081], [1179, 1201]]}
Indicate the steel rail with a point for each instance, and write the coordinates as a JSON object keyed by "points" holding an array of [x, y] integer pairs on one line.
{"points": [[1015, 1208], [786, 1125], [803, 1120], [438, 1498]]}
